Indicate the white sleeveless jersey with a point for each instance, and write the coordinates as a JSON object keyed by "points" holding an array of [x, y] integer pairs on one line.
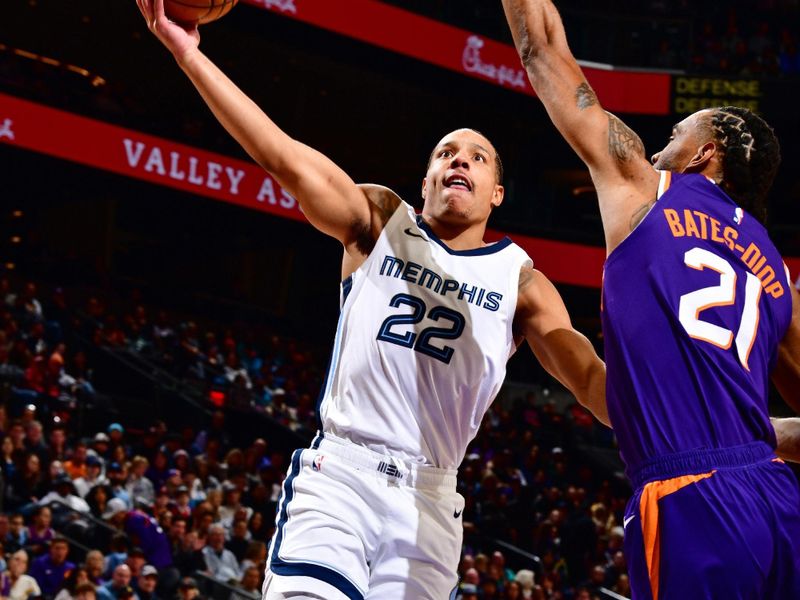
{"points": [[422, 343]]}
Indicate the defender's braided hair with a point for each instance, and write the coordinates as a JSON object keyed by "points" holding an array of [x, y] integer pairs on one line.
{"points": [[751, 155]]}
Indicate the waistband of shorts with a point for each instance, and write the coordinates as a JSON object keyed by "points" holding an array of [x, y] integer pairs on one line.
{"points": [[699, 461], [391, 468]]}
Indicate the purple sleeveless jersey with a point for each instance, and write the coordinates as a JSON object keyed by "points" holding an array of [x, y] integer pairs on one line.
{"points": [[695, 303]]}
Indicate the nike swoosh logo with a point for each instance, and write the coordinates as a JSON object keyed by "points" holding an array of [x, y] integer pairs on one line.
{"points": [[627, 520], [412, 234], [457, 513]]}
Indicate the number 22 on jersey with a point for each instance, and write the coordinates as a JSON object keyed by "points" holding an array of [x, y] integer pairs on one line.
{"points": [[724, 294], [422, 342]]}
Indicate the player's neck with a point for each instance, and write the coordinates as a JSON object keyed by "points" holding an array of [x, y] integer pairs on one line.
{"points": [[459, 236]]}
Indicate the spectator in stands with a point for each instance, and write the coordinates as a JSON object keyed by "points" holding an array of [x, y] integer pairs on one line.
{"points": [[467, 591], [182, 460], [14, 583], [117, 554], [51, 569], [146, 583], [77, 577], [139, 487], [117, 476], [63, 492], [188, 553], [95, 566], [40, 532], [143, 530], [158, 470], [188, 589], [117, 588], [182, 505], [216, 431], [100, 445], [231, 505], [17, 536], [85, 591], [17, 434], [525, 579], [239, 539], [27, 485], [173, 481], [93, 478], [136, 561], [250, 584], [31, 307], [221, 563], [116, 435], [75, 466], [34, 441], [7, 458], [255, 556]]}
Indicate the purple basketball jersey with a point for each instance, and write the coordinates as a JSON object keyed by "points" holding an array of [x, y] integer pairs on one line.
{"points": [[695, 302]]}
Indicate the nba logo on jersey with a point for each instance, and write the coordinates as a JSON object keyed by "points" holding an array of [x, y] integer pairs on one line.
{"points": [[738, 216], [317, 464]]}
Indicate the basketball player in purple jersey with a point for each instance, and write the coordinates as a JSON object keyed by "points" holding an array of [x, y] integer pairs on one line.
{"points": [[697, 315]]}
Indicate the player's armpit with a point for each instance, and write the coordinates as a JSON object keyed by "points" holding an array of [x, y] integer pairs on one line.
{"points": [[565, 353]]}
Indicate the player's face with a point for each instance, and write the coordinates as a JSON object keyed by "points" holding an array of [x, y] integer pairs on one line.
{"points": [[461, 184], [684, 144]]}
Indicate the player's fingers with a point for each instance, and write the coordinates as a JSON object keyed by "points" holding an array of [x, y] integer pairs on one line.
{"points": [[147, 10], [158, 8]]}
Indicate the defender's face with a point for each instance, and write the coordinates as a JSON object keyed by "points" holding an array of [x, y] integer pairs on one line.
{"points": [[461, 184], [684, 143]]}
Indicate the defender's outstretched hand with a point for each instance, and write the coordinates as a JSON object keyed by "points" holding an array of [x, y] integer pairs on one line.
{"points": [[179, 39]]}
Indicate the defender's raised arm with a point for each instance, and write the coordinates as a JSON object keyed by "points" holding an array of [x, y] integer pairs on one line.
{"points": [[625, 181], [329, 198]]}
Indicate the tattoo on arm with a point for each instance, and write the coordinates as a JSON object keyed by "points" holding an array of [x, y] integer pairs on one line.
{"points": [[623, 143], [525, 278], [585, 96], [640, 213]]}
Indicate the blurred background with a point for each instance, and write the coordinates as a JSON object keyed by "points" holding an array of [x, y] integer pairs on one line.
{"points": [[154, 280]]}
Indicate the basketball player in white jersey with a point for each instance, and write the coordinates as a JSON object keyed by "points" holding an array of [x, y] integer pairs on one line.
{"points": [[429, 316]]}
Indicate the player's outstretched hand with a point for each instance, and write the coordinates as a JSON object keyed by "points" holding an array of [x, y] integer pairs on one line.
{"points": [[179, 39]]}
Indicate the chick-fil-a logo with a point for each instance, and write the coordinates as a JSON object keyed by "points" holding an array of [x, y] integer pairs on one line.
{"points": [[471, 59], [286, 6]]}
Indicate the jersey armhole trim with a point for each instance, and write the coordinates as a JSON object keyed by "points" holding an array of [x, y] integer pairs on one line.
{"points": [[664, 183]]}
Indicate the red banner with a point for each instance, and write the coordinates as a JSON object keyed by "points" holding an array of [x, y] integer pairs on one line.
{"points": [[465, 52], [96, 144], [127, 152]]}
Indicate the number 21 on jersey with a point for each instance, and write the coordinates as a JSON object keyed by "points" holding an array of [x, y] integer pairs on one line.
{"points": [[724, 294]]}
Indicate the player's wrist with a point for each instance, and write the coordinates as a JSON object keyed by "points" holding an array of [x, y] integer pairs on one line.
{"points": [[187, 56]]}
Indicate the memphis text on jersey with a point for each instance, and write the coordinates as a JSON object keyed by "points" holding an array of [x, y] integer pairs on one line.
{"points": [[694, 223], [425, 277]]}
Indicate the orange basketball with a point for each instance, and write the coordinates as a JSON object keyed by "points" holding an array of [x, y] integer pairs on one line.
{"points": [[197, 12]]}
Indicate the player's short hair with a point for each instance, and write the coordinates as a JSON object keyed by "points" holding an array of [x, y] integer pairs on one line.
{"points": [[498, 162], [751, 155]]}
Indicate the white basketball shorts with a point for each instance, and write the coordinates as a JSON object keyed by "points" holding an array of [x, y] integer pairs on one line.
{"points": [[353, 524]]}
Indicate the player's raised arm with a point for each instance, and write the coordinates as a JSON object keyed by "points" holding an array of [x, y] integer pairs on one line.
{"points": [[565, 353], [329, 198], [625, 181]]}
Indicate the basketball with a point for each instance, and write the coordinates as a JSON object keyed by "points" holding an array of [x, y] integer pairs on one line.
{"points": [[197, 12]]}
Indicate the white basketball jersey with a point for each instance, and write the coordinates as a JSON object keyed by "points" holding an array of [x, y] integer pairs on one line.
{"points": [[422, 343]]}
